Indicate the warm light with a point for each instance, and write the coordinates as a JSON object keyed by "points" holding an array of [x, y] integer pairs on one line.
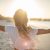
{"points": [[25, 44], [30, 6]]}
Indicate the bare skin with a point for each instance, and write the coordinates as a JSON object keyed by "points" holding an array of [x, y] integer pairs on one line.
{"points": [[21, 20], [43, 31]]}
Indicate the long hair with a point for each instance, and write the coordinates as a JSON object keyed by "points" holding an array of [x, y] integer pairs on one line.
{"points": [[23, 29]]}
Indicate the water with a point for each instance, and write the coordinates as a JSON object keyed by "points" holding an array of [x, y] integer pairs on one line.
{"points": [[39, 24], [5, 42]]}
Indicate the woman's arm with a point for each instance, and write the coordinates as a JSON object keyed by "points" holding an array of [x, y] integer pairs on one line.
{"points": [[43, 31]]}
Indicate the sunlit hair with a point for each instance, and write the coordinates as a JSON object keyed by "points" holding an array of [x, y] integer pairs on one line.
{"points": [[24, 29], [20, 13]]}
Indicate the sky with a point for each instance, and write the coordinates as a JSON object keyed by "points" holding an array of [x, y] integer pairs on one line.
{"points": [[34, 8]]}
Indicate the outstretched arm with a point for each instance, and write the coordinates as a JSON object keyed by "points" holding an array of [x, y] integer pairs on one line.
{"points": [[43, 31]]}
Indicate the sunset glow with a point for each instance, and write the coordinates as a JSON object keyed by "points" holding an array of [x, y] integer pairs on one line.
{"points": [[33, 8]]}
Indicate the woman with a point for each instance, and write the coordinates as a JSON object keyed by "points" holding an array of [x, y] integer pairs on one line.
{"points": [[26, 34]]}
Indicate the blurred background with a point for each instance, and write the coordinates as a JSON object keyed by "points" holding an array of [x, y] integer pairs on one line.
{"points": [[38, 12]]}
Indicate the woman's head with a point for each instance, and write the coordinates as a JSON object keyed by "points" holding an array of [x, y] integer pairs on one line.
{"points": [[20, 17]]}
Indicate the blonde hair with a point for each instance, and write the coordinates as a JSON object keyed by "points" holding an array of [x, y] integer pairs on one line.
{"points": [[23, 29], [17, 13]]}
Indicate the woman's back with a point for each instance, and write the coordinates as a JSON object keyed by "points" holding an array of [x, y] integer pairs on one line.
{"points": [[22, 43]]}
